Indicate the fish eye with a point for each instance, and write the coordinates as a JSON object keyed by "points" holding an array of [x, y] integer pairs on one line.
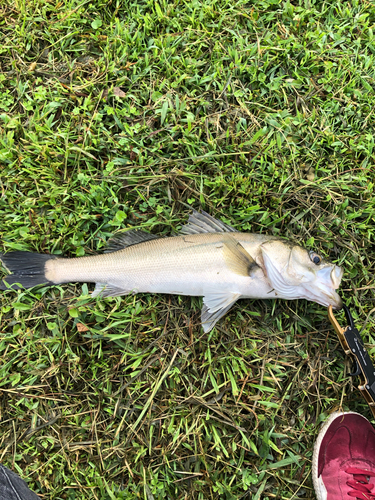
{"points": [[315, 258]]}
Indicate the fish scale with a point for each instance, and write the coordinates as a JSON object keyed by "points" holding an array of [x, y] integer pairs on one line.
{"points": [[186, 263], [209, 259]]}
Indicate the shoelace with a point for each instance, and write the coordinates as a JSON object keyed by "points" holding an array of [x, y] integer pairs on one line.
{"points": [[362, 490]]}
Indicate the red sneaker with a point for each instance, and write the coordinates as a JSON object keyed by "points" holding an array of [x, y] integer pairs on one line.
{"points": [[344, 458]]}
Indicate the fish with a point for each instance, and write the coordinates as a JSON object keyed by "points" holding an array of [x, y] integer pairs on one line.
{"points": [[207, 258]]}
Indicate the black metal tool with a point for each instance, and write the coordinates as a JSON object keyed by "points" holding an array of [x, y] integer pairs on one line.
{"points": [[352, 344]]}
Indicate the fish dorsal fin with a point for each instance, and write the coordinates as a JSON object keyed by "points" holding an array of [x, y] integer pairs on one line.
{"points": [[123, 240], [204, 223], [215, 305], [237, 258]]}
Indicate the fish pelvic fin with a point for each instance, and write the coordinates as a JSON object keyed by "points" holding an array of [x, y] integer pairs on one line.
{"points": [[127, 239], [27, 268], [204, 223], [215, 305]]}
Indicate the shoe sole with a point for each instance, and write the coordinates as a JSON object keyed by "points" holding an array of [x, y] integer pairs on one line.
{"points": [[320, 491]]}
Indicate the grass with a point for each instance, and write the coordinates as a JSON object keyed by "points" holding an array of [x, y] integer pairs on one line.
{"points": [[128, 114]]}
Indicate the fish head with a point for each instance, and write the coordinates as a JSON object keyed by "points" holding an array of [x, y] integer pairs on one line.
{"points": [[296, 273]]}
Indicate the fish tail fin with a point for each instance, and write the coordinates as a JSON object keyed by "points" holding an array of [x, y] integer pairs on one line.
{"points": [[27, 268]]}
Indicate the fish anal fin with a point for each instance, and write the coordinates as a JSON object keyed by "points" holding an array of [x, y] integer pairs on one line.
{"points": [[215, 305], [237, 258], [205, 223], [108, 290], [122, 240]]}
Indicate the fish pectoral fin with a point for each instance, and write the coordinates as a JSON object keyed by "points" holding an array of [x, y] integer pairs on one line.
{"points": [[204, 223], [127, 239], [108, 290], [237, 258], [215, 306]]}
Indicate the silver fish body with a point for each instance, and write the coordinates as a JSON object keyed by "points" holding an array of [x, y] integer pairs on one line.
{"points": [[209, 259], [182, 265]]}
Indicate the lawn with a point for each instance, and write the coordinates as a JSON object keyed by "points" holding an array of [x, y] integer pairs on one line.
{"points": [[122, 114]]}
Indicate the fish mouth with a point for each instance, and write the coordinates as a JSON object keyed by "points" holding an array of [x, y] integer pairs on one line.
{"points": [[336, 276], [326, 299], [326, 284]]}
